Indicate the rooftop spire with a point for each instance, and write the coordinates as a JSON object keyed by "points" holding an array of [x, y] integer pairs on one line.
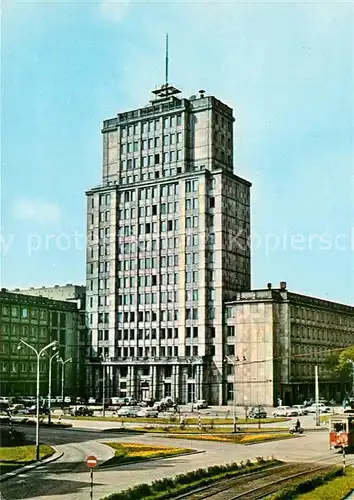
{"points": [[166, 90], [166, 61]]}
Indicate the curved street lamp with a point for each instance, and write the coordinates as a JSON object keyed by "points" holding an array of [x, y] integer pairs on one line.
{"points": [[63, 363], [53, 344], [55, 356]]}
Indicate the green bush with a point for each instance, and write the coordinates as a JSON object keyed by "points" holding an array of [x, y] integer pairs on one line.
{"points": [[336, 489], [301, 487], [164, 489]]}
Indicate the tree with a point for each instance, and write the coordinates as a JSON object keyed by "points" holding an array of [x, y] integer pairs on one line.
{"points": [[339, 365]]}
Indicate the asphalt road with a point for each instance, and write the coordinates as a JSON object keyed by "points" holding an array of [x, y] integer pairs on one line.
{"points": [[68, 478]]}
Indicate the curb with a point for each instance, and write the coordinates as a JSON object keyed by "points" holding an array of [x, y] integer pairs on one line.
{"points": [[27, 468], [194, 452]]}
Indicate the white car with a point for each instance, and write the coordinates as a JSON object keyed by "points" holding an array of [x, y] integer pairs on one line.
{"points": [[201, 403], [285, 411], [321, 407], [148, 412], [91, 401], [128, 411], [301, 409]]}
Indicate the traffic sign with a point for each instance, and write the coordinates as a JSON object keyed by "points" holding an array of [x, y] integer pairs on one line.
{"points": [[91, 461]]}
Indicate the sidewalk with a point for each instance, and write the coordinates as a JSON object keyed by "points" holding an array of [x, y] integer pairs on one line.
{"points": [[27, 468]]}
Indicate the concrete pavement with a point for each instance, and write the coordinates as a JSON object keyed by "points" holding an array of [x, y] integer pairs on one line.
{"points": [[68, 478], [308, 422]]}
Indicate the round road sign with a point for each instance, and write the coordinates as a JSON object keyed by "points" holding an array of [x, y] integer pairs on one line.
{"points": [[91, 461]]}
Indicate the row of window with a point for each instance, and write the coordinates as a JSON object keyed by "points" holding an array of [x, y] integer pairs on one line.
{"points": [[151, 160], [146, 298], [145, 144], [151, 126], [14, 367], [146, 352], [154, 174], [141, 352], [24, 312], [324, 316], [150, 193], [24, 330], [141, 334]]}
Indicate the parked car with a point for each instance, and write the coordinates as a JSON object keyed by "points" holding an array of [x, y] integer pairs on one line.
{"points": [[128, 411], [168, 401], [81, 411], [308, 402], [163, 405], [321, 407], [149, 402], [257, 412], [201, 403], [4, 417], [284, 411], [17, 408], [301, 409], [91, 401], [147, 412], [130, 401], [4, 399], [32, 410]]}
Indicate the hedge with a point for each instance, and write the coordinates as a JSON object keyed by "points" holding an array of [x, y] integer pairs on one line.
{"points": [[164, 489], [300, 487]]}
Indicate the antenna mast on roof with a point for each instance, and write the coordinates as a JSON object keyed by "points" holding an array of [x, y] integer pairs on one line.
{"points": [[166, 62]]}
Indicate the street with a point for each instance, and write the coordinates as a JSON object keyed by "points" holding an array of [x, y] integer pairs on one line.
{"points": [[68, 477]]}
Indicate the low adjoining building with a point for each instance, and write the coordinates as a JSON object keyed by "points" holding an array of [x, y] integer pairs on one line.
{"points": [[34, 316], [275, 338]]}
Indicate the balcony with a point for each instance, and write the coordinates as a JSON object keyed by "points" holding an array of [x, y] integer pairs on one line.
{"points": [[158, 360]]}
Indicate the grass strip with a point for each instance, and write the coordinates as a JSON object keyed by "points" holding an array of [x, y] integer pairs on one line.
{"points": [[335, 489], [204, 430], [134, 452], [300, 486], [233, 438], [175, 419], [13, 457], [168, 488]]}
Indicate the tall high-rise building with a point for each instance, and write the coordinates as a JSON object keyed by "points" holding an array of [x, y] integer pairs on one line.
{"points": [[167, 244]]}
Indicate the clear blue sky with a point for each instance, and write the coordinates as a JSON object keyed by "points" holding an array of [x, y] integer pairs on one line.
{"points": [[287, 69]]}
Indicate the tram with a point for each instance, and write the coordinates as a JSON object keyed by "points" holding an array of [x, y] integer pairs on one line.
{"points": [[341, 431]]}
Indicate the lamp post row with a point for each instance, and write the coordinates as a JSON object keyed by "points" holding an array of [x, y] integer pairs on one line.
{"points": [[235, 362], [54, 345]]}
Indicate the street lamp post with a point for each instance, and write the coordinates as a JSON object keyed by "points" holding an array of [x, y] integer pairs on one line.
{"points": [[234, 363], [38, 354], [55, 355], [103, 387], [63, 363]]}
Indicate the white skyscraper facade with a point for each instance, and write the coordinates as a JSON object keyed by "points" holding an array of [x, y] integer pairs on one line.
{"points": [[167, 244]]}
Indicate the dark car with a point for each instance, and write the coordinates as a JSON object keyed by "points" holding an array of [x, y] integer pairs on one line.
{"points": [[257, 412], [81, 411], [32, 410]]}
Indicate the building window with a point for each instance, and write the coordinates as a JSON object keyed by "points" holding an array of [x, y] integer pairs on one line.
{"points": [[231, 331]]}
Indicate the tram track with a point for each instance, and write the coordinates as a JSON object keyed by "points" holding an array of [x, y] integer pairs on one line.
{"points": [[256, 485]]}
